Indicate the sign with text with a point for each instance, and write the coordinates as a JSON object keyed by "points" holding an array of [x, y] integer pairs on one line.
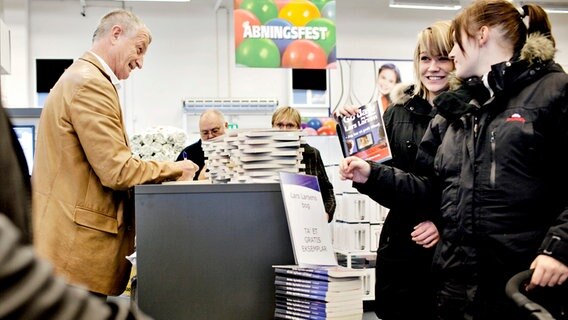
{"points": [[307, 221], [297, 34]]}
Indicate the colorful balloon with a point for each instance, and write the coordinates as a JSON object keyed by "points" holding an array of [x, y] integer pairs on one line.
{"points": [[304, 54], [258, 53], [299, 12], [314, 123], [328, 10], [331, 57], [237, 4], [264, 10], [281, 43], [310, 131], [330, 123], [281, 3], [242, 17], [326, 131], [320, 4], [327, 41]]}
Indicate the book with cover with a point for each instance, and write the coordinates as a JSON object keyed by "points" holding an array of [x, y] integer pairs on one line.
{"points": [[322, 296], [329, 273], [338, 285], [290, 313], [309, 305], [363, 135]]}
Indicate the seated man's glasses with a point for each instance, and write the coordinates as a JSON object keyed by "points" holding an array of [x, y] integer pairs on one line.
{"points": [[214, 132], [283, 125]]}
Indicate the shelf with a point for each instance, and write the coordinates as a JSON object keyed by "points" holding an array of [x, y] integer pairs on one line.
{"points": [[24, 112], [230, 106]]}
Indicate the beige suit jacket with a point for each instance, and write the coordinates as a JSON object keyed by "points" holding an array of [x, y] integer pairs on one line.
{"points": [[83, 172]]}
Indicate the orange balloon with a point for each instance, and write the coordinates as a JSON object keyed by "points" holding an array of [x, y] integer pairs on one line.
{"points": [[329, 123], [299, 12], [241, 17], [326, 131], [304, 54]]}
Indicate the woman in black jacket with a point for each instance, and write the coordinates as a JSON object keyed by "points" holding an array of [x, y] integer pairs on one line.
{"points": [[495, 157], [403, 288]]}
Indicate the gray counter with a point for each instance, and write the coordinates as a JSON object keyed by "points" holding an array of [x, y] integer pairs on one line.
{"points": [[206, 251]]}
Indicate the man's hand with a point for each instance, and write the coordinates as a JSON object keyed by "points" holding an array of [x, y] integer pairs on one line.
{"points": [[355, 169], [547, 272], [425, 234], [189, 169]]}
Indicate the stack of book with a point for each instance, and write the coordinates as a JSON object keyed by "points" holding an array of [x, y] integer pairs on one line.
{"points": [[217, 159], [318, 293], [258, 155]]}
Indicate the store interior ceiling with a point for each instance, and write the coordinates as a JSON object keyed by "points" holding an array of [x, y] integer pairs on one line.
{"points": [[558, 6]]}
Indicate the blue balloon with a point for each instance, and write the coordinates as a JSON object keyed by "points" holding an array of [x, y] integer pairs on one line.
{"points": [[328, 11], [281, 43], [331, 58], [314, 123]]}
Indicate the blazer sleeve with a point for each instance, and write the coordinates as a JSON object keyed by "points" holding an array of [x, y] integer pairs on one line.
{"points": [[97, 119]]}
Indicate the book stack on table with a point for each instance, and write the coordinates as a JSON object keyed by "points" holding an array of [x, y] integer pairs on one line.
{"points": [[318, 293], [254, 155]]}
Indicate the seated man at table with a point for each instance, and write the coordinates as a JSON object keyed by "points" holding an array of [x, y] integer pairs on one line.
{"points": [[211, 125]]}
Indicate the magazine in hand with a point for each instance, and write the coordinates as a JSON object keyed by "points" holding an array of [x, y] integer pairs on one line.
{"points": [[363, 135]]}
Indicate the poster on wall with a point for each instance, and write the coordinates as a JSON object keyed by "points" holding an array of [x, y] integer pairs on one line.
{"points": [[362, 81], [298, 34]]}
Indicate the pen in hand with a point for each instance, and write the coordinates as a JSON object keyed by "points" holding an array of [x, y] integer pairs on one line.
{"points": [[184, 155]]}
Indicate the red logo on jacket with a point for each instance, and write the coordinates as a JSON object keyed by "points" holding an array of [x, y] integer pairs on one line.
{"points": [[516, 117]]}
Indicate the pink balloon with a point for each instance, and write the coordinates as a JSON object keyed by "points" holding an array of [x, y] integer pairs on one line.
{"points": [[310, 131]]}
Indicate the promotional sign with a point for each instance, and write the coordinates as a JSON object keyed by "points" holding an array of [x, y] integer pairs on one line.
{"points": [[298, 34], [307, 221]]}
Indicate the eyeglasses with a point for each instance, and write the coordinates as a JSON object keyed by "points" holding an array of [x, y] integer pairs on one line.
{"points": [[282, 125], [214, 132]]}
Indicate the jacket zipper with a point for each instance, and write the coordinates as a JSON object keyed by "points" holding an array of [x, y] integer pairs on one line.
{"points": [[493, 165]]}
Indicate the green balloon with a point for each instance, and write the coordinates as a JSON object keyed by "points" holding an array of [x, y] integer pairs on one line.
{"points": [[258, 53], [264, 10], [320, 3], [328, 43]]}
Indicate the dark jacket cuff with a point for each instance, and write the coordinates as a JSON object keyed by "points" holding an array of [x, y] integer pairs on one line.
{"points": [[556, 247]]}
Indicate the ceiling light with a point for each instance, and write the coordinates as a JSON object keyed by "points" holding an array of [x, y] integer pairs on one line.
{"points": [[426, 4], [550, 6], [153, 0]]}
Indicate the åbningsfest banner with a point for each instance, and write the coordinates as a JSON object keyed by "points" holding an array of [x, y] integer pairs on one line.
{"points": [[297, 34]]}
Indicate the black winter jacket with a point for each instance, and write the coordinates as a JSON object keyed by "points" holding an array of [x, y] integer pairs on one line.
{"points": [[403, 282], [499, 168]]}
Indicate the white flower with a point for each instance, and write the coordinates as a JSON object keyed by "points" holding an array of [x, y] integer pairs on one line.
{"points": [[158, 143]]}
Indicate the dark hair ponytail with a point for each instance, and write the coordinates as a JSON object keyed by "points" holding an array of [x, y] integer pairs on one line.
{"points": [[538, 21]]}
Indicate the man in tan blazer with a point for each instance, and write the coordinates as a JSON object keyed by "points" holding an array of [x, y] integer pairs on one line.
{"points": [[83, 216]]}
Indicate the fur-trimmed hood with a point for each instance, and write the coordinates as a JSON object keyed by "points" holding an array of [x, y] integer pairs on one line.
{"points": [[401, 93], [538, 47]]}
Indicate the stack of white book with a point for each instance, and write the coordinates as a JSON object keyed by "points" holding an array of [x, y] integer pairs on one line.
{"points": [[318, 293], [218, 159], [261, 154]]}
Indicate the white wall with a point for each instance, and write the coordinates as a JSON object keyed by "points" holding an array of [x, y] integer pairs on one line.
{"points": [[191, 54]]}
